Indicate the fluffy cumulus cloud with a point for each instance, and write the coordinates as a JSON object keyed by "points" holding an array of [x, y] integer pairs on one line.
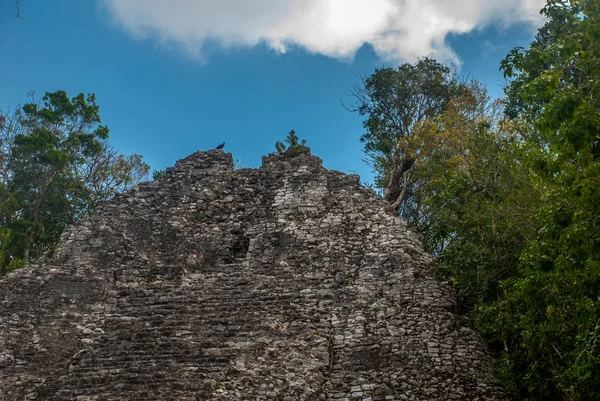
{"points": [[397, 29]]}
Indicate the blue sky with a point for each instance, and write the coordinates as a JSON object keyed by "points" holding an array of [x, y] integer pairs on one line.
{"points": [[172, 81]]}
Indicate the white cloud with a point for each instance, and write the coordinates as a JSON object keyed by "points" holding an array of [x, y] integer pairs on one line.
{"points": [[397, 29]]}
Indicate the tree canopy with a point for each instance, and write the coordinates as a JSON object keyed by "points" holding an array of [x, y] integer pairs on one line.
{"points": [[550, 316], [507, 195], [396, 101], [57, 165]]}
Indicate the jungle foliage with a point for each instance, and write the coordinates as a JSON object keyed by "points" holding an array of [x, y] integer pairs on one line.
{"points": [[56, 164], [507, 195]]}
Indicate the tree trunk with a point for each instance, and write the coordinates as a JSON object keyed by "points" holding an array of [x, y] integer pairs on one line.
{"points": [[399, 170], [393, 181], [400, 198]]}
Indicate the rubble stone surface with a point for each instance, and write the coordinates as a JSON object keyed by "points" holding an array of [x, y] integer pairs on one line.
{"points": [[287, 282]]}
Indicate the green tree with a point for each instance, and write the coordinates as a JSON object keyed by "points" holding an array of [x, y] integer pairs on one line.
{"points": [[158, 174], [550, 315], [396, 101], [57, 164], [292, 140], [469, 197]]}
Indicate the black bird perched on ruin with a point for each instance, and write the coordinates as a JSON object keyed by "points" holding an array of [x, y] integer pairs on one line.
{"points": [[220, 146]]}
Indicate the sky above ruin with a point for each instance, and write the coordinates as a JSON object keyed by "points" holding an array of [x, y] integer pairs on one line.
{"points": [[172, 77]]}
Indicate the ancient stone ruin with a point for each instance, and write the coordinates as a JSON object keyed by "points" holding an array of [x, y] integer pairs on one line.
{"points": [[287, 282]]}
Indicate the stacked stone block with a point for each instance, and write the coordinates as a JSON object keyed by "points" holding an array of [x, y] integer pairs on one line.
{"points": [[287, 282]]}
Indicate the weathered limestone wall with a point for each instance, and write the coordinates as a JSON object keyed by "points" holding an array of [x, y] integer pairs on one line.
{"points": [[288, 282]]}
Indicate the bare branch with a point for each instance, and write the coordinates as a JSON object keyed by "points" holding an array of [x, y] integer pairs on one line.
{"points": [[18, 9]]}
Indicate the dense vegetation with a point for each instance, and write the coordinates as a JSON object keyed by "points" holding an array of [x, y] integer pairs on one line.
{"points": [[507, 195], [55, 165]]}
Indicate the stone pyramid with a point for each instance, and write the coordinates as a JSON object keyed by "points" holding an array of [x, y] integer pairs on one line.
{"points": [[286, 282]]}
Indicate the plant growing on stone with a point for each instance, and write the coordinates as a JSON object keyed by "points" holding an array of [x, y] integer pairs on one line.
{"points": [[158, 174], [239, 164], [293, 142]]}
